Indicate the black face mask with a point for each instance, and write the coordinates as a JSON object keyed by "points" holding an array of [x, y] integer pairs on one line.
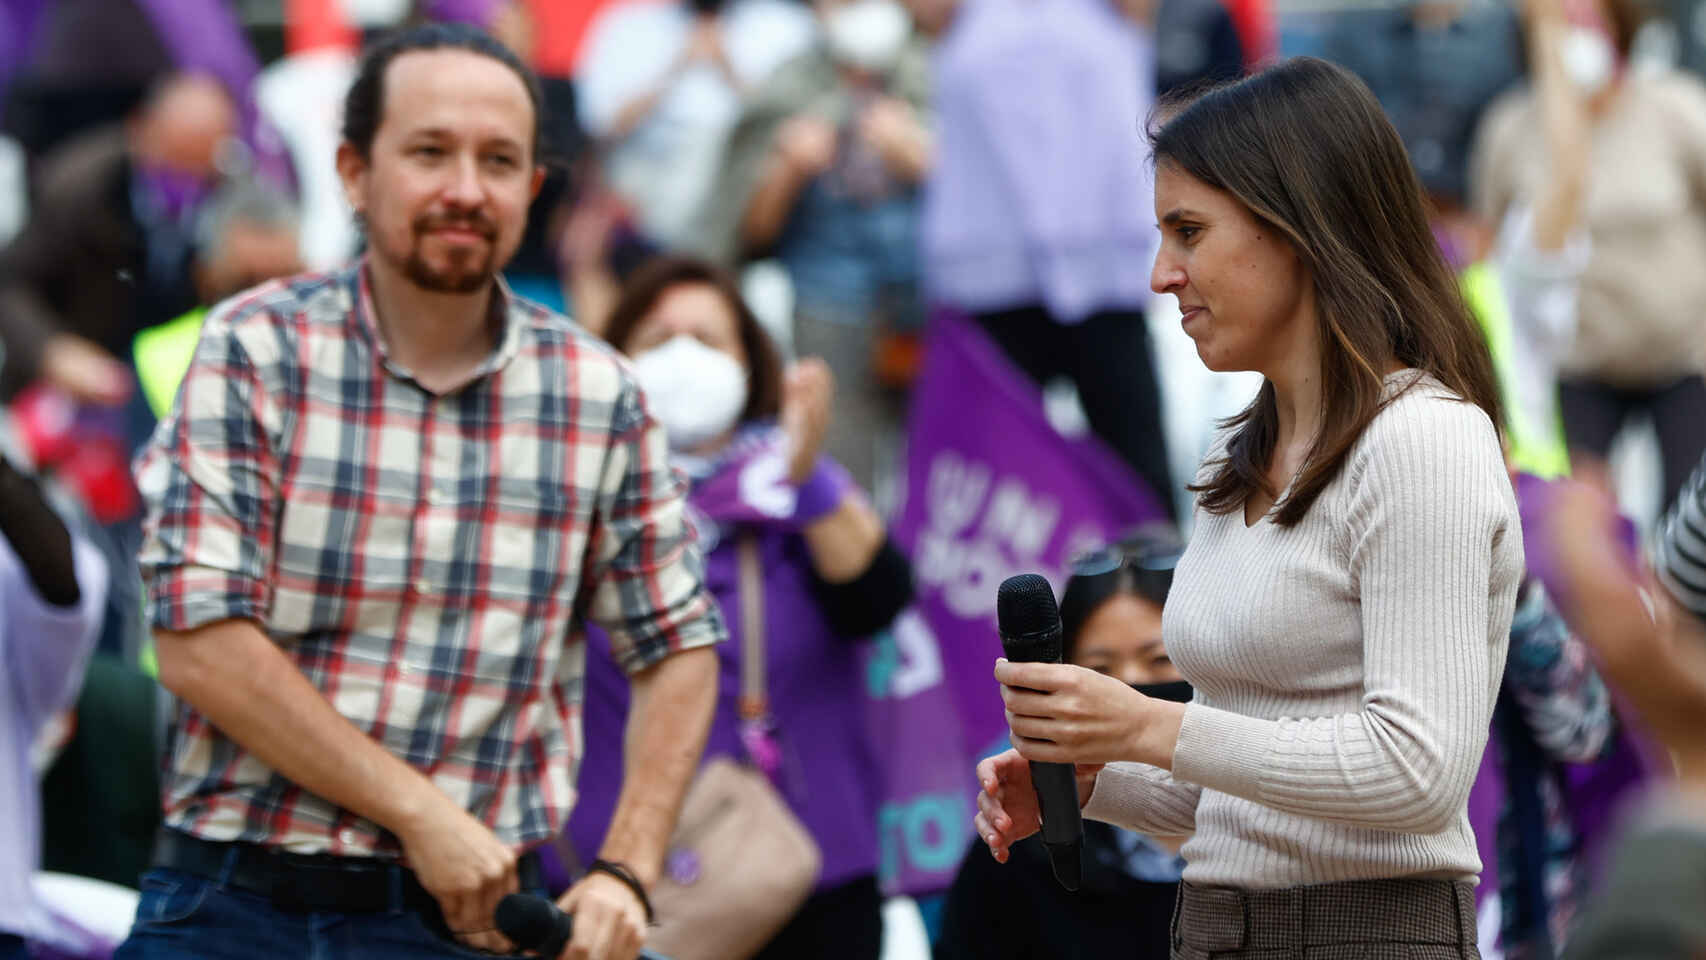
{"points": [[1176, 691]]}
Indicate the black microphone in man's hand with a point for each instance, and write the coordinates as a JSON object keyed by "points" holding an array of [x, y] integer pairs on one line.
{"points": [[1030, 633], [534, 923]]}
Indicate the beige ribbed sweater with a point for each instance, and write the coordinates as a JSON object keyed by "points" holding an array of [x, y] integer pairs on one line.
{"points": [[1345, 667]]}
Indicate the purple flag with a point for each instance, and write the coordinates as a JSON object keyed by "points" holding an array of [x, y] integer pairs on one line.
{"points": [[992, 490]]}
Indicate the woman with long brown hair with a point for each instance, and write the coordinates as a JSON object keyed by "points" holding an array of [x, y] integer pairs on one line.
{"points": [[1344, 606]]}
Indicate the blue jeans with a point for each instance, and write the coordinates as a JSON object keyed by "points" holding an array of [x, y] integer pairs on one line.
{"points": [[181, 915]]}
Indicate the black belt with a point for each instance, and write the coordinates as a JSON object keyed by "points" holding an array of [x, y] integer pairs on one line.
{"points": [[310, 882]]}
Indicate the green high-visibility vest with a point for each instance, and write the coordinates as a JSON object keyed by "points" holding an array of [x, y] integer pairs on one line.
{"points": [[163, 354], [1536, 448]]}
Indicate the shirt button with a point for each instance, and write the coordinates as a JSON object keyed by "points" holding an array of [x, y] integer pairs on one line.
{"points": [[422, 586], [349, 837]]}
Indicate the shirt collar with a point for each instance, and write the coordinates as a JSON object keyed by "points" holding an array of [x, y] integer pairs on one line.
{"points": [[365, 318]]}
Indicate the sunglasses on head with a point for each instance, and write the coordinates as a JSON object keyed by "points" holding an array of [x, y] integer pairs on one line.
{"points": [[1150, 565]]}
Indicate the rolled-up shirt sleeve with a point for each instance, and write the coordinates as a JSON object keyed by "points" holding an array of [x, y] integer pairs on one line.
{"points": [[210, 481], [647, 581]]}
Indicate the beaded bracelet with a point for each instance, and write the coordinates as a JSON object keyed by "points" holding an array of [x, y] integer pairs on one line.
{"points": [[621, 872]]}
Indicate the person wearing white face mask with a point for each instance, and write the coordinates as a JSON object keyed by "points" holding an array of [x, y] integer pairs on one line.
{"points": [[823, 172], [749, 437], [1637, 346]]}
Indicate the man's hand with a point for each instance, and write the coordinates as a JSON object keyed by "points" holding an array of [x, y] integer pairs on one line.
{"points": [[85, 371], [808, 392], [609, 920], [892, 128], [805, 145], [466, 868]]}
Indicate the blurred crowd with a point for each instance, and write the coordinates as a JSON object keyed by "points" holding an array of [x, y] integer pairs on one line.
{"points": [[772, 207]]}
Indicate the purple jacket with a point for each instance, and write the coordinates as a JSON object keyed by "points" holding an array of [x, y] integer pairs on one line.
{"points": [[814, 680]]}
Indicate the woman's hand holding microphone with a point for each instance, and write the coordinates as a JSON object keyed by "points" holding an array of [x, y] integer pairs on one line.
{"points": [[1060, 713]]}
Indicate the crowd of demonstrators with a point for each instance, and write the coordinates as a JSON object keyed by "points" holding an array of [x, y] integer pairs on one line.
{"points": [[801, 567], [1037, 212], [108, 248], [1635, 347], [1562, 751], [822, 172], [1434, 66], [661, 85], [1110, 613]]}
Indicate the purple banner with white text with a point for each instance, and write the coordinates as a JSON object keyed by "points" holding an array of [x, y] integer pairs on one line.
{"points": [[991, 490]]}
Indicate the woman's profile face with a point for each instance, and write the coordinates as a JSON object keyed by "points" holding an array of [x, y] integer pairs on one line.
{"points": [[1122, 639], [697, 310], [1245, 297]]}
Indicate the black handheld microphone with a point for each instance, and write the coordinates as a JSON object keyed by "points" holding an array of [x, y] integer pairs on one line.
{"points": [[1030, 633], [535, 923]]}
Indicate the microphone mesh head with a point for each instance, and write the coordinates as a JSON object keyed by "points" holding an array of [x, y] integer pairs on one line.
{"points": [[1025, 604], [527, 921]]}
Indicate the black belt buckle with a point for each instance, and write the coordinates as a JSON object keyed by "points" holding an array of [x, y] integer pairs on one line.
{"points": [[306, 884], [288, 892]]}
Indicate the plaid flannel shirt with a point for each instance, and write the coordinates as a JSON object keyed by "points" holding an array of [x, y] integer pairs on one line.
{"points": [[422, 559]]}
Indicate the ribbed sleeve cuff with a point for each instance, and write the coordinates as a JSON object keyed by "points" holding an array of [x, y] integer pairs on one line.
{"points": [[1223, 751], [1142, 798]]}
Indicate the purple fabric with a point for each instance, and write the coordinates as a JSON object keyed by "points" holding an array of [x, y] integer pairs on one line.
{"points": [[204, 36], [992, 490], [477, 12], [1534, 496], [823, 491], [173, 194], [1041, 188], [43, 650], [1594, 793], [828, 773], [17, 26], [749, 485]]}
